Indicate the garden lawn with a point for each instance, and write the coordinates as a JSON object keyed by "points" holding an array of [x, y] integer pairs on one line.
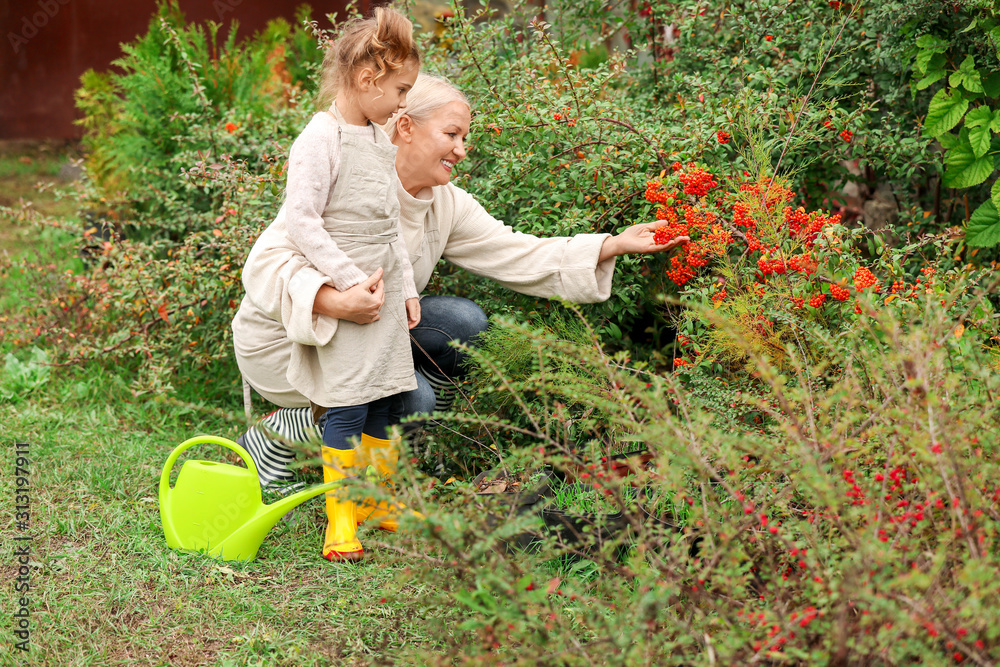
{"points": [[30, 172], [105, 589]]}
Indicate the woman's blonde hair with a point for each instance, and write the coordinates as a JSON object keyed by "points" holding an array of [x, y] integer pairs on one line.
{"points": [[429, 93], [384, 42]]}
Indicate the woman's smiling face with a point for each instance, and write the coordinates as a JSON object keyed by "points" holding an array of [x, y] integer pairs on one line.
{"points": [[429, 151]]}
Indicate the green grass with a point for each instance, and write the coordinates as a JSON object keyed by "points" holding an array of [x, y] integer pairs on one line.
{"points": [[107, 590], [29, 177], [29, 172]]}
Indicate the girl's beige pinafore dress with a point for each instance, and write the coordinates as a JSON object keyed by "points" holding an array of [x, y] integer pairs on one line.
{"points": [[362, 362]]}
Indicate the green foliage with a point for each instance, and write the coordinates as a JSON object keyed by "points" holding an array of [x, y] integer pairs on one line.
{"points": [[967, 64], [183, 90], [19, 379], [863, 509], [187, 142], [578, 498], [522, 378]]}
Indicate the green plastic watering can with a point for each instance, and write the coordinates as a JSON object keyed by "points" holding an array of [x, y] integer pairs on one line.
{"points": [[216, 508]]}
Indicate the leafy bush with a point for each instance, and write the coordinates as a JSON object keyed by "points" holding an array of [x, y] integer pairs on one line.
{"points": [[187, 144], [970, 69], [182, 90], [858, 526], [567, 132], [188, 141]]}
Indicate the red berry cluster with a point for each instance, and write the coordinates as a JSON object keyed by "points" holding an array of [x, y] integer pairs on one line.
{"points": [[676, 166], [669, 232], [775, 194], [667, 213], [742, 217], [855, 493], [697, 218], [828, 124], [680, 271], [803, 263], [723, 137], [816, 300], [697, 182], [769, 267], [807, 226], [656, 195], [847, 135], [707, 238], [839, 293], [564, 115], [863, 278]]}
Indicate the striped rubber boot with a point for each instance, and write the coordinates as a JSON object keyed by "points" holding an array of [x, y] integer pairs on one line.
{"points": [[269, 454]]}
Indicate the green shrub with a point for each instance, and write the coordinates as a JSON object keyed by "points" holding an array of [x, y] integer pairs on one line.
{"points": [[183, 90], [856, 526], [187, 143]]}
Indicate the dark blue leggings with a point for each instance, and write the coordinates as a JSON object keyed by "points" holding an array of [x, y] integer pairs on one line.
{"points": [[342, 425]]}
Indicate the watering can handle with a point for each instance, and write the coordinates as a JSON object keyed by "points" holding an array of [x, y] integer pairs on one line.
{"points": [[201, 440]]}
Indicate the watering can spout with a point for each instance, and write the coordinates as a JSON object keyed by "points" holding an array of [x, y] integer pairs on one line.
{"points": [[256, 528], [216, 508]]}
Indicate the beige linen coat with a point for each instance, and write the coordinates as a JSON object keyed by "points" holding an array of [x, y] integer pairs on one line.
{"points": [[441, 222]]}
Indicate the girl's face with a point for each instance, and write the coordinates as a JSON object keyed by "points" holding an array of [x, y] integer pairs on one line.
{"points": [[378, 105], [429, 151]]}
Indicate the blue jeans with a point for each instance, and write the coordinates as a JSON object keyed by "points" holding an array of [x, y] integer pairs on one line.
{"points": [[443, 319]]}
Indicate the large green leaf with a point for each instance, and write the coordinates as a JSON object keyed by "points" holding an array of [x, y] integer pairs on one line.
{"points": [[995, 123], [931, 78], [978, 123], [995, 193], [963, 168], [948, 140], [933, 43], [967, 76], [945, 111], [929, 62], [979, 139], [979, 116], [984, 226]]}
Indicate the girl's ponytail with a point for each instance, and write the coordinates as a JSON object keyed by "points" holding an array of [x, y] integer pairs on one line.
{"points": [[384, 42]]}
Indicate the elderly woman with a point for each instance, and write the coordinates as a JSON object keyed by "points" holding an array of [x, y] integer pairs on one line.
{"points": [[289, 304]]}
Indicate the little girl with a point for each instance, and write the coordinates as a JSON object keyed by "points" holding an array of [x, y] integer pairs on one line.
{"points": [[341, 212]]}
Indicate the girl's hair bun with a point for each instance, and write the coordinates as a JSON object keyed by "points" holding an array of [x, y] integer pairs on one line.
{"points": [[383, 41]]}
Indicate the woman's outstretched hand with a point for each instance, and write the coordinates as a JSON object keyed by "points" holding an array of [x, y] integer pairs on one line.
{"points": [[637, 240], [360, 304]]}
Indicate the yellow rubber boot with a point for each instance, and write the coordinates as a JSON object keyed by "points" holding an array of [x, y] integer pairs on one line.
{"points": [[341, 540], [383, 455]]}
